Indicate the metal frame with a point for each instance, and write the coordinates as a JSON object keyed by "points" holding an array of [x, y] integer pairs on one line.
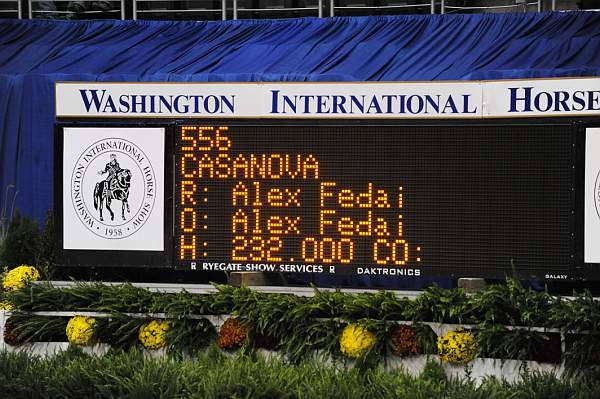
{"points": [[223, 9], [31, 11], [444, 8], [17, 10], [236, 9], [526, 4], [332, 7]]}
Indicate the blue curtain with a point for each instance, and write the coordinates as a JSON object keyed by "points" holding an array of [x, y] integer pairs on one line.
{"points": [[35, 54]]}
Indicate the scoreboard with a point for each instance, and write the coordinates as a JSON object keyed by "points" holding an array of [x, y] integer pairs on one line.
{"points": [[383, 200]]}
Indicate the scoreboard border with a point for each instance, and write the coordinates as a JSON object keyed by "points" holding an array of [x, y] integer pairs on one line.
{"points": [[165, 259]]}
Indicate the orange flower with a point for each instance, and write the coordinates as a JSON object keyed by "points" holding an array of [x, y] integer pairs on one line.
{"points": [[232, 334], [405, 341]]}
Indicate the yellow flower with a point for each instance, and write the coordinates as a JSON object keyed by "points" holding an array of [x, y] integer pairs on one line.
{"points": [[457, 346], [5, 305], [153, 334], [356, 341], [19, 277], [80, 330]]}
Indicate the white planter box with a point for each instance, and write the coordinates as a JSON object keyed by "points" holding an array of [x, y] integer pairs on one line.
{"points": [[479, 368]]}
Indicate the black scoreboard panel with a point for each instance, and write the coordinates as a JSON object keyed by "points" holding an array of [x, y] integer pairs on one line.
{"points": [[375, 200]]}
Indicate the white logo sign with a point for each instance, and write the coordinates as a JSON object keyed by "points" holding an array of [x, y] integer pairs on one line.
{"points": [[592, 196], [112, 194]]}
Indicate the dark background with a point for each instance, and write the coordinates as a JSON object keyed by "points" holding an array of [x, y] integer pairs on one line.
{"points": [[477, 199]]}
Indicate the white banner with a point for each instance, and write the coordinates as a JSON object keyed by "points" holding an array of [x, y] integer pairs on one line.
{"points": [[592, 196], [113, 182], [541, 98], [368, 100]]}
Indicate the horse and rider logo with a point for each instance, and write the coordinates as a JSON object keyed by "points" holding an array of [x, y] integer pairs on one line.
{"points": [[114, 187], [127, 177]]}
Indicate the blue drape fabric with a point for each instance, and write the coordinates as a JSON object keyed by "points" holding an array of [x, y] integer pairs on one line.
{"points": [[35, 54]]}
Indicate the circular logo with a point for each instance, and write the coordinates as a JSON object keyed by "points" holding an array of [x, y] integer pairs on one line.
{"points": [[597, 194], [113, 188]]}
